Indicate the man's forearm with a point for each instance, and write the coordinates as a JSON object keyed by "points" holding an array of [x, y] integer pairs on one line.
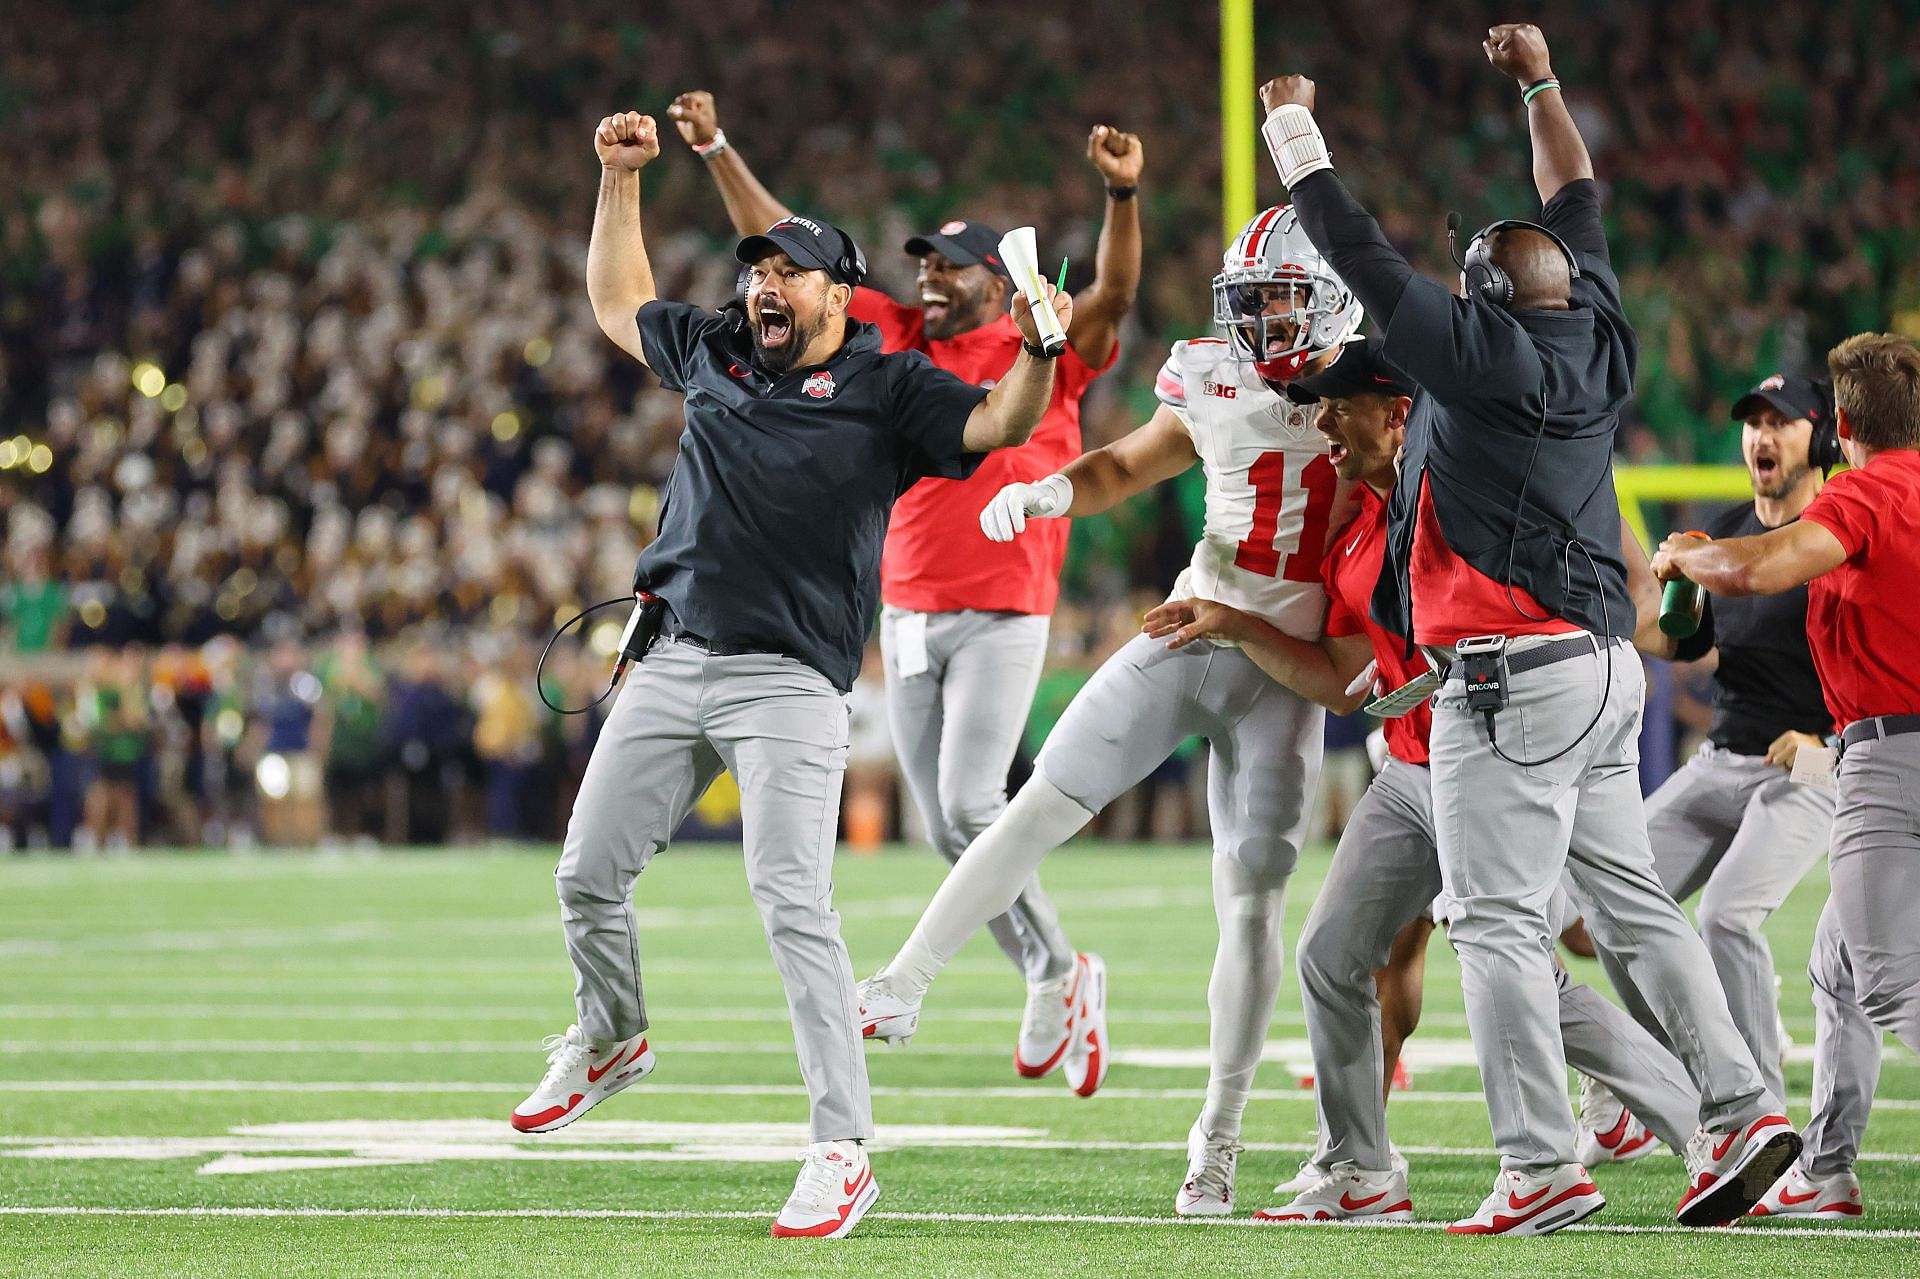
{"points": [[619, 277], [1355, 247], [1116, 280], [750, 206], [1559, 154], [1304, 667], [1013, 407]]}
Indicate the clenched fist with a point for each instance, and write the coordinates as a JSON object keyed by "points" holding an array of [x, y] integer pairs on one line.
{"points": [[695, 115], [1287, 90], [1119, 156], [1519, 50], [1023, 312], [1006, 515], [627, 141]]}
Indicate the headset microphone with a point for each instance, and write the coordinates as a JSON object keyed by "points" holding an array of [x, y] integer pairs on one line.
{"points": [[1453, 233]]}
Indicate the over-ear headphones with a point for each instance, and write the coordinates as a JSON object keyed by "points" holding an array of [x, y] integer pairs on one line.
{"points": [[851, 269], [1483, 277], [1823, 449]]}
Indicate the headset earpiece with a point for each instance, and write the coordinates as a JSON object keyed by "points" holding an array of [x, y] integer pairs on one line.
{"points": [[1823, 450], [852, 267]]}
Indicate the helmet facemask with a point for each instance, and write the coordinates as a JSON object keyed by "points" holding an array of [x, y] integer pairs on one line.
{"points": [[1277, 302]]}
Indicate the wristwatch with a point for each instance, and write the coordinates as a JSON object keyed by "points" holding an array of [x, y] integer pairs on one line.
{"points": [[1039, 352]]}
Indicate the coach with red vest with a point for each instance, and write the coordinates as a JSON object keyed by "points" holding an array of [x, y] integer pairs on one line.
{"points": [[964, 628]]}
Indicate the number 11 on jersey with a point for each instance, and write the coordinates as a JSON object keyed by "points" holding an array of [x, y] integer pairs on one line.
{"points": [[1259, 551]]}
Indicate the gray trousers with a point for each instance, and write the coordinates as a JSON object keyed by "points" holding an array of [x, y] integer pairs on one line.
{"points": [[956, 726], [1866, 953], [1384, 873], [781, 729], [1264, 744], [1505, 834], [1746, 832]]}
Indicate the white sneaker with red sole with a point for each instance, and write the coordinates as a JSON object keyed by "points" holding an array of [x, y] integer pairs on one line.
{"points": [[1089, 1055], [580, 1075], [1046, 1027], [1208, 1189], [1801, 1194], [1346, 1196], [1525, 1203], [884, 1016], [1609, 1133], [1730, 1172], [1311, 1172], [835, 1189]]}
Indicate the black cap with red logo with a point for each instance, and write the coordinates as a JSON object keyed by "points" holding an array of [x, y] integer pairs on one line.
{"points": [[962, 243], [1361, 366], [1794, 397]]}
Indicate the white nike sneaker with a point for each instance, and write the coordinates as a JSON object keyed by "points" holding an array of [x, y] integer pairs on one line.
{"points": [[884, 1015], [580, 1075], [1729, 1172], [1046, 1028], [1088, 1056], [1534, 1203], [1833, 1197], [1208, 1189], [1609, 1133], [835, 1189], [1349, 1196], [1311, 1172]]}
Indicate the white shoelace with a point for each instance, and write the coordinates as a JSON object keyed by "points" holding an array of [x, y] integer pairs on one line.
{"points": [[1599, 1108], [1332, 1177], [563, 1059], [821, 1179], [1216, 1163], [1699, 1152], [1047, 1002]]}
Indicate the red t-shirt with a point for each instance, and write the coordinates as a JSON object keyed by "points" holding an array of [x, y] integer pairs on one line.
{"points": [[1350, 569], [936, 558], [1863, 618], [1452, 599]]}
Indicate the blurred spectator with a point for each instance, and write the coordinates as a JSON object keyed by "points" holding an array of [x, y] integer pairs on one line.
{"points": [[113, 715], [353, 696], [506, 736], [424, 731]]}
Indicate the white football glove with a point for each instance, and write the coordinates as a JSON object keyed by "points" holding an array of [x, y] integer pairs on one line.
{"points": [[1005, 516]]}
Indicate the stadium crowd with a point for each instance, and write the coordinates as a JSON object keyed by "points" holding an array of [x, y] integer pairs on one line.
{"points": [[296, 362]]}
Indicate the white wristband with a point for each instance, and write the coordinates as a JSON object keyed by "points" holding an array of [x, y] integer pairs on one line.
{"points": [[712, 146], [1050, 497], [1295, 143]]}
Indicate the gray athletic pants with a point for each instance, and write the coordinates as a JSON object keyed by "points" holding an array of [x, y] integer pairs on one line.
{"points": [[1385, 872], [1866, 953], [956, 726], [780, 728], [1506, 833], [1748, 832]]}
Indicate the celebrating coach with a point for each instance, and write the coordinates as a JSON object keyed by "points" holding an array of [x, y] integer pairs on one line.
{"points": [[1504, 562], [799, 435]]}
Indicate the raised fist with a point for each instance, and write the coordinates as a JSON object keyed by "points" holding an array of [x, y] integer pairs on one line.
{"points": [[1117, 155], [1519, 50], [626, 141], [1287, 90], [695, 116]]}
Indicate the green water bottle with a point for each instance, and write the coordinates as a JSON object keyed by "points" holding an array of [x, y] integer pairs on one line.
{"points": [[1682, 603]]}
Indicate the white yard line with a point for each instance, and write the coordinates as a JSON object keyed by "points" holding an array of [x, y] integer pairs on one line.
{"points": [[1045, 1091], [952, 1218]]}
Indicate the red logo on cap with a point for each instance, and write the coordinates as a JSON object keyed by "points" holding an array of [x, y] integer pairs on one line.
{"points": [[953, 228], [819, 385]]}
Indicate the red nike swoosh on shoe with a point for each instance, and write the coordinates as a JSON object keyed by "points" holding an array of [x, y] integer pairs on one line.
{"points": [[1788, 1197], [1518, 1204], [1615, 1135], [1351, 1204], [1503, 1224], [1030, 1070], [1723, 1145], [593, 1076]]}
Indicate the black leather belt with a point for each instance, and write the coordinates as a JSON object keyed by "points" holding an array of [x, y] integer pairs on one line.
{"points": [[1868, 730], [712, 649], [1540, 655]]}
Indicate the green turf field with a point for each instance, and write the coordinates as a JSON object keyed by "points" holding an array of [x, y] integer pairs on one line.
{"points": [[301, 1065]]}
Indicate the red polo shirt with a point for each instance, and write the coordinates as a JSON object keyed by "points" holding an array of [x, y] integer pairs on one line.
{"points": [[936, 558], [1863, 618], [1453, 600], [1350, 569]]}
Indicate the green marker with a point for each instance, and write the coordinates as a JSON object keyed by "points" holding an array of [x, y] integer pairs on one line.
{"points": [[1061, 283]]}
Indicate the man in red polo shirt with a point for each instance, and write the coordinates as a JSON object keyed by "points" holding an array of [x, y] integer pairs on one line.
{"points": [[964, 627], [1386, 870], [1857, 548]]}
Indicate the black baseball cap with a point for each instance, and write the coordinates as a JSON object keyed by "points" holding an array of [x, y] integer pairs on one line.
{"points": [[1795, 397], [812, 244], [1361, 366], [963, 243]]}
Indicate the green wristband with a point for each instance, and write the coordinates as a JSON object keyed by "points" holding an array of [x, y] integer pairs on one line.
{"points": [[1528, 94]]}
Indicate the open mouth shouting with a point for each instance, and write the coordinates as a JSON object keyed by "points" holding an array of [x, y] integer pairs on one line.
{"points": [[1766, 467], [776, 323], [935, 305]]}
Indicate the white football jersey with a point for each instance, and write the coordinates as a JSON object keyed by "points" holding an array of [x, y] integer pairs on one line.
{"points": [[1273, 496]]}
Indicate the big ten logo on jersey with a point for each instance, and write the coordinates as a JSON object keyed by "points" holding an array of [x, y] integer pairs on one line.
{"points": [[1225, 390]]}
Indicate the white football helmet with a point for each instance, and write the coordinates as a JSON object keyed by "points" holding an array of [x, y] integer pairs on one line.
{"points": [[1273, 250]]}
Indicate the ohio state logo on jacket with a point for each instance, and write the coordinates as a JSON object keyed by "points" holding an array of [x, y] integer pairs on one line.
{"points": [[819, 385]]}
